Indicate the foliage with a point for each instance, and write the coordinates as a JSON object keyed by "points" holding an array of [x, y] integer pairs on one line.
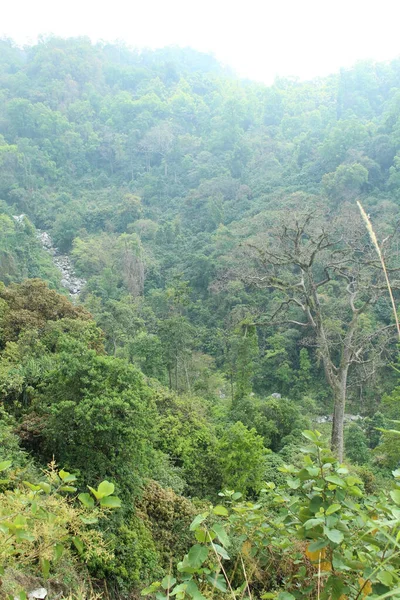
{"points": [[320, 535], [241, 455], [43, 531], [356, 445]]}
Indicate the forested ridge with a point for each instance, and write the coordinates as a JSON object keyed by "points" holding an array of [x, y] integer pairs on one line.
{"points": [[151, 427]]}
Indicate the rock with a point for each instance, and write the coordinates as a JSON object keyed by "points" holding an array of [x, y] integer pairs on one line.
{"points": [[63, 262], [39, 594]]}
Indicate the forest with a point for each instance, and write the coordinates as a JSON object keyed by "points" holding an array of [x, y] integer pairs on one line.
{"points": [[216, 413]]}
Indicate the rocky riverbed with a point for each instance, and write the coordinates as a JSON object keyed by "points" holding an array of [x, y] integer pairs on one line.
{"points": [[69, 279]]}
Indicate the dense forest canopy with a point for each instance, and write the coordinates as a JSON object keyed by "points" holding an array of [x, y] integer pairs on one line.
{"points": [[233, 297]]}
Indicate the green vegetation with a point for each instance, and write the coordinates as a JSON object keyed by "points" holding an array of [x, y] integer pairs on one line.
{"points": [[233, 300]]}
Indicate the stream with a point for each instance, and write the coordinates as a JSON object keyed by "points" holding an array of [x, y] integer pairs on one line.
{"points": [[69, 279]]}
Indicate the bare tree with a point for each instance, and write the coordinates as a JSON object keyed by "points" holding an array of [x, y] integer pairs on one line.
{"points": [[325, 278]]}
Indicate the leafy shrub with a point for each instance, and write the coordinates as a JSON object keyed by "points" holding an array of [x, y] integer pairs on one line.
{"points": [[318, 536]]}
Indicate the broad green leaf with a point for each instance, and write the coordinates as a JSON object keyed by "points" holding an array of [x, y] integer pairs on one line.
{"points": [[315, 504], [336, 480], [67, 488], [95, 493], [151, 588], [110, 502], [317, 545], [168, 582], [194, 591], [311, 523], [197, 555], [218, 581], [221, 551], [105, 489], [334, 535], [66, 477], [395, 494], [198, 520], [201, 535], [46, 487], [220, 510], [385, 577], [86, 500], [6, 464], [332, 509], [310, 435], [237, 495], [222, 535], [286, 595], [178, 589], [32, 486]]}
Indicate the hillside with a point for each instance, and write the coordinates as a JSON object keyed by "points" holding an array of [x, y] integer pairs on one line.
{"points": [[231, 299]]}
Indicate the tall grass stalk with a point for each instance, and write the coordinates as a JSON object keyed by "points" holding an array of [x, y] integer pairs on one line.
{"points": [[374, 240]]}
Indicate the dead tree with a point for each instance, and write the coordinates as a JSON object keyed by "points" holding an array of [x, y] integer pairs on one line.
{"points": [[325, 278]]}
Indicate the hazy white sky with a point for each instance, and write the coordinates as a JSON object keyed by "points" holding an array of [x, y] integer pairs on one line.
{"points": [[258, 38]]}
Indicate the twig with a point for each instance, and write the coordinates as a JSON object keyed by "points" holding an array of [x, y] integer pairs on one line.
{"points": [[378, 250]]}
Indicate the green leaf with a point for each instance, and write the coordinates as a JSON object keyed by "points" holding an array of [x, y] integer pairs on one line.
{"points": [[95, 493], [237, 495], [197, 555], [178, 589], [151, 588], [201, 535], [336, 585], [86, 500], [332, 509], [222, 535], [66, 477], [67, 488], [385, 577], [286, 595], [220, 510], [110, 502], [221, 551], [395, 494], [88, 520], [78, 544], [58, 551], [336, 480], [6, 464], [317, 545], [315, 504], [334, 535], [31, 486], [218, 581], [46, 487], [194, 591], [198, 520], [168, 582], [45, 567], [105, 489], [310, 435], [311, 523]]}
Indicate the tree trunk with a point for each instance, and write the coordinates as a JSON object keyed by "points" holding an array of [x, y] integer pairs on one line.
{"points": [[337, 441]]}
